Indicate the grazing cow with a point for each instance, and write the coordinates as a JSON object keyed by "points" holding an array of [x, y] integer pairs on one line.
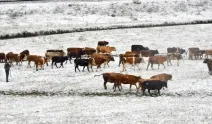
{"points": [[82, 62], [162, 76], [105, 49], [32, 58], [59, 59], [135, 61], [102, 43], [107, 57], [209, 64], [110, 77], [153, 85], [176, 50], [96, 61], [23, 55], [50, 53], [138, 48], [158, 60], [89, 51], [191, 52], [207, 53], [2, 57], [74, 52], [40, 61], [148, 53]]}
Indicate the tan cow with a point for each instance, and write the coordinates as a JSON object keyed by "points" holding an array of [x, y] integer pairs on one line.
{"points": [[162, 76], [158, 60], [192, 52]]}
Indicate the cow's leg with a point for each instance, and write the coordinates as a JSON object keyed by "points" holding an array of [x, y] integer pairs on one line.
{"points": [[130, 86], [159, 92], [88, 69], [124, 67], [149, 92], [152, 66], [83, 68], [163, 65], [158, 66], [147, 66], [52, 64], [138, 66], [105, 86], [56, 64], [143, 89]]}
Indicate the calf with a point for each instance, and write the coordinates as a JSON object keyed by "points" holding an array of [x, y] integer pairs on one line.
{"points": [[209, 64], [153, 85], [107, 57], [59, 59], [82, 62], [158, 60]]}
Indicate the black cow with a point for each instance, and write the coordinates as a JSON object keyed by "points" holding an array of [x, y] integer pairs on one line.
{"points": [[209, 64], [138, 48], [82, 62], [59, 59], [102, 43], [153, 85]]}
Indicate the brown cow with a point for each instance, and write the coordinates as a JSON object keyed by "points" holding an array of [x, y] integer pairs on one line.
{"points": [[23, 55], [105, 49], [2, 57], [148, 53], [40, 61], [75, 52], [96, 61], [158, 60], [107, 57], [191, 52], [110, 77], [207, 53], [127, 79], [32, 58], [209, 64], [128, 54], [162, 76], [89, 51], [13, 57], [135, 61]]}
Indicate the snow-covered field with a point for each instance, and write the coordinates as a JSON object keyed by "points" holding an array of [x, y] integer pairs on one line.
{"points": [[80, 97], [30, 16]]}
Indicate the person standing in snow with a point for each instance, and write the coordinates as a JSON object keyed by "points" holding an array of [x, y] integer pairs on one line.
{"points": [[7, 69]]}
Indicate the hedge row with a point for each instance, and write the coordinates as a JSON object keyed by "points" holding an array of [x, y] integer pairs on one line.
{"points": [[59, 31]]}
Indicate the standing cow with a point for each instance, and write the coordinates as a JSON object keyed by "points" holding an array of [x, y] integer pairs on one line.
{"points": [[153, 85], [209, 64]]}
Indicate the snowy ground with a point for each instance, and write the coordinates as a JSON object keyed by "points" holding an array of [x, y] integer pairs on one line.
{"points": [[30, 16], [81, 97]]}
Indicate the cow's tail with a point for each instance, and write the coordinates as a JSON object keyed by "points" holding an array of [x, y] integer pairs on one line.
{"points": [[98, 75]]}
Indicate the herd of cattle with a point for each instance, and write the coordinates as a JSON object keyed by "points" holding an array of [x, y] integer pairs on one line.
{"points": [[89, 57]]}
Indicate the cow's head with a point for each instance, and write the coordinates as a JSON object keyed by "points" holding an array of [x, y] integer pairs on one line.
{"points": [[206, 60], [165, 84]]}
